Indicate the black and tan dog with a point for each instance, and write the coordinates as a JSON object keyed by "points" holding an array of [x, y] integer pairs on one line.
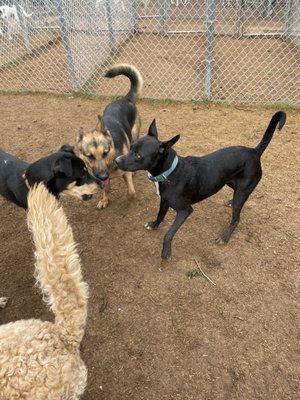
{"points": [[62, 172], [184, 181], [113, 134]]}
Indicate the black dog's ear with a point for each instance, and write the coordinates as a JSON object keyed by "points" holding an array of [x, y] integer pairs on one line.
{"points": [[152, 129], [63, 165], [168, 143], [80, 134], [67, 148]]}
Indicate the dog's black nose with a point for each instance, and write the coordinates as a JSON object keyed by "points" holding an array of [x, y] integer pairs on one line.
{"points": [[86, 197], [103, 175]]}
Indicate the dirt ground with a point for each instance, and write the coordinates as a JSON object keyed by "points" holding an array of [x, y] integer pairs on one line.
{"points": [[163, 336]]}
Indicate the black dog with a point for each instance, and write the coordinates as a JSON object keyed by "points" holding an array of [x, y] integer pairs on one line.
{"points": [[184, 181], [62, 172]]}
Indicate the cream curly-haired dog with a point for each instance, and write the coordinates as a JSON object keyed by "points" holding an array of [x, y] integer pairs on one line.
{"points": [[40, 360]]}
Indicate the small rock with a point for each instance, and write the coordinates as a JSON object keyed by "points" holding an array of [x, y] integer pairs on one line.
{"points": [[3, 302], [103, 304]]}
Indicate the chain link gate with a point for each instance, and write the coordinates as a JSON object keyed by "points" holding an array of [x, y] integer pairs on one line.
{"points": [[243, 51]]}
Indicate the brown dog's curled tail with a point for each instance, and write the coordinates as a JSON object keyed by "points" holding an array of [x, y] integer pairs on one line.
{"points": [[279, 119], [132, 74], [58, 268]]}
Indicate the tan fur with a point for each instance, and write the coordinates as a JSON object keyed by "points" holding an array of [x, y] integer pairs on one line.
{"points": [[136, 128], [40, 360], [95, 143], [79, 191], [129, 182]]}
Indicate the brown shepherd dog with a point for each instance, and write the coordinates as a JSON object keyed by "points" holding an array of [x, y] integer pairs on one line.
{"points": [[113, 135]]}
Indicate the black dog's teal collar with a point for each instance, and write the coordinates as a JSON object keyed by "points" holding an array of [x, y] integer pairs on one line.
{"points": [[163, 177]]}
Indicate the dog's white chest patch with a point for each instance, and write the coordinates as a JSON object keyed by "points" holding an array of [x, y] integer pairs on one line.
{"points": [[156, 187]]}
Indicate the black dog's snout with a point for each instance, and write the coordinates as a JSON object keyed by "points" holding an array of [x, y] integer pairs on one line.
{"points": [[118, 161], [87, 197]]}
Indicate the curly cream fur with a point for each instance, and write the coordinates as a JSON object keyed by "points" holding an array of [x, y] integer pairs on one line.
{"points": [[41, 360]]}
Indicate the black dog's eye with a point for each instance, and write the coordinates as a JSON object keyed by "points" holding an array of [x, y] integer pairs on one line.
{"points": [[137, 156]]}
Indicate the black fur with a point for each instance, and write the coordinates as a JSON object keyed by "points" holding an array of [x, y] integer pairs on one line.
{"points": [[196, 178], [57, 171]]}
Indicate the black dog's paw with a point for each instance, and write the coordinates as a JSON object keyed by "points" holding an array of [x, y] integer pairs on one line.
{"points": [[223, 239], [151, 225], [220, 241]]}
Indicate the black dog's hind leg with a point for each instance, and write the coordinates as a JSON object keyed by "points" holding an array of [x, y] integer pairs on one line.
{"points": [[228, 203], [163, 209], [181, 216], [240, 196]]}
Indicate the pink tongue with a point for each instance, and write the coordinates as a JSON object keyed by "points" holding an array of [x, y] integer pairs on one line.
{"points": [[106, 182]]}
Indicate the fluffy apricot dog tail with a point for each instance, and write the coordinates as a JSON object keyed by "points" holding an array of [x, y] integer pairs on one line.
{"points": [[58, 268]]}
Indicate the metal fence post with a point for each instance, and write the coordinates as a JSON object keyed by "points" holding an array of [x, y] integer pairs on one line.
{"points": [[240, 17], [288, 17], [66, 43], [163, 14], [268, 9], [111, 35], [134, 15], [210, 17], [23, 25]]}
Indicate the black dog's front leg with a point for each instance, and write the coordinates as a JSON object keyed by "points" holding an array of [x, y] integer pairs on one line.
{"points": [[179, 220], [163, 209]]}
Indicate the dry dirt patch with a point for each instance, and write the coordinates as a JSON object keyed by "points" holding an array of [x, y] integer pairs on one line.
{"points": [[161, 335]]}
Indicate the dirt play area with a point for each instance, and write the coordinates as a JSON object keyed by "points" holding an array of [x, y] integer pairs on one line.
{"points": [[153, 333]]}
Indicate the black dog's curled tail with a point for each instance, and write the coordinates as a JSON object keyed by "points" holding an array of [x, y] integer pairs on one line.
{"points": [[132, 74], [279, 119]]}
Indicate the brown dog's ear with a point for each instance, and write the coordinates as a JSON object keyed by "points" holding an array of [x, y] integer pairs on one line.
{"points": [[63, 165], [152, 129], [100, 127], [80, 134], [168, 143]]}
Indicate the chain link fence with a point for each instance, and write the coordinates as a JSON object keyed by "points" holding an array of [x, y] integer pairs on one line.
{"points": [[242, 51]]}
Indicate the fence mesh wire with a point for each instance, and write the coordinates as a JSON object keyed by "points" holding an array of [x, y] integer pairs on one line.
{"points": [[234, 50]]}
